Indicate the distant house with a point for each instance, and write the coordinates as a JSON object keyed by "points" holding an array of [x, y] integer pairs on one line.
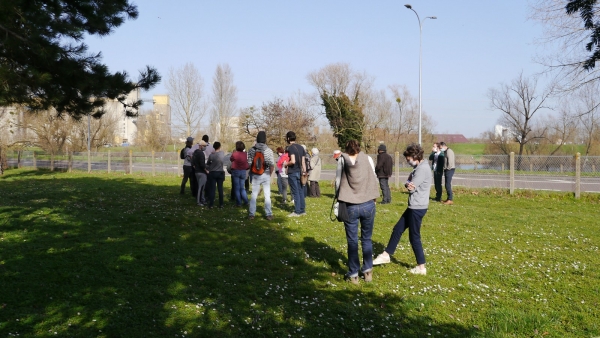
{"points": [[450, 138]]}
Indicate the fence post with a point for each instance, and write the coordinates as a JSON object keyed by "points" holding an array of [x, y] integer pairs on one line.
{"points": [[108, 162], [153, 170], [51, 162], [577, 175], [19, 159], [89, 161], [130, 161], [397, 169], [70, 161], [512, 173], [34, 161], [503, 167]]}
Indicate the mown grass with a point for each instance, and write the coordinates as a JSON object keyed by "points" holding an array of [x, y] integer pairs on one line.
{"points": [[126, 256]]}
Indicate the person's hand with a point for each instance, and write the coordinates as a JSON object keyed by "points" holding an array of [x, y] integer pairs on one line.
{"points": [[410, 186]]}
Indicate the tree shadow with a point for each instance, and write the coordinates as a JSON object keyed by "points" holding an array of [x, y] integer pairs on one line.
{"points": [[118, 256]]}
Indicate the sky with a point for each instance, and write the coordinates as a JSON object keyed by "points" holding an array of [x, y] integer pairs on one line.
{"points": [[271, 46]]}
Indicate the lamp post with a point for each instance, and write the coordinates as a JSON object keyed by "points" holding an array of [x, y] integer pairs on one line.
{"points": [[420, 60]]}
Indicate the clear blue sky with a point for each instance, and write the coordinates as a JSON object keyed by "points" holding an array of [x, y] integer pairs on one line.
{"points": [[272, 45]]}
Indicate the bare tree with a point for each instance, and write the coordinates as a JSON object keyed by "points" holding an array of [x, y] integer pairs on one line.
{"points": [[586, 110], [519, 102], [103, 131], [152, 131], [186, 91], [224, 101], [565, 41], [277, 117]]}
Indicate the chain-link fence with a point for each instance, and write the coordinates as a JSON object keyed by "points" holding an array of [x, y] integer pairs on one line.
{"points": [[561, 173]]}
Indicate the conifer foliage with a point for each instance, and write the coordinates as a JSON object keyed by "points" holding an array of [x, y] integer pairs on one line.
{"points": [[44, 62]]}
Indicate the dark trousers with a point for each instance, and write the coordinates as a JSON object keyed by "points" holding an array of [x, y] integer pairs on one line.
{"points": [[437, 181], [411, 219], [315, 190], [448, 179], [188, 173], [385, 189], [215, 181]]}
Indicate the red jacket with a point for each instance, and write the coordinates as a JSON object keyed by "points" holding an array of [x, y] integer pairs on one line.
{"points": [[239, 160]]}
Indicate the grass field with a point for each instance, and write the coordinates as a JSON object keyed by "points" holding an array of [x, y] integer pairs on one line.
{"points": [[127, 256]]}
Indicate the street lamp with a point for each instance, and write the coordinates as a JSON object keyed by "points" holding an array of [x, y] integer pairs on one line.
{"points": [[420, 60]]}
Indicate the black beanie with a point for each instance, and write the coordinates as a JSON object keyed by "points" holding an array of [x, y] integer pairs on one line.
{"points": [[261, 137], [382, 147]]}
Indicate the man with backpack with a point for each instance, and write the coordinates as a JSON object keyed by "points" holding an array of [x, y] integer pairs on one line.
{"points": [[188, 171], [262, 165]]}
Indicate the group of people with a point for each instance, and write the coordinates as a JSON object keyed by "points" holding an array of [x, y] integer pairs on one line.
{"points": [[356, 186], [294, 168]]}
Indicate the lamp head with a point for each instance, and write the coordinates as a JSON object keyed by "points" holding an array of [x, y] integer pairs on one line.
{"points": [[433, 17], [408, 6]]}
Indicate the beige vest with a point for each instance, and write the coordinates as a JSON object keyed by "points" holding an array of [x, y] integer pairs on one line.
{"points": [[358, 183]]}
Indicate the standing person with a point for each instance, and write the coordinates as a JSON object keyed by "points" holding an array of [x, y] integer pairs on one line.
{"points": [[306, 172], [418, 185], [216, 175], [209, 149], [261, 170], [295, 167], [383, 169], [239, 165], [356, 184], [437, 165], [188, 171], [282, 178], [315, 174], [449, 165], [199, 165], [280, 153]]}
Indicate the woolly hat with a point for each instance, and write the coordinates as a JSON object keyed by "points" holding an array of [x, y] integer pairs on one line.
{"points": [[261, 137], [382, 147]]}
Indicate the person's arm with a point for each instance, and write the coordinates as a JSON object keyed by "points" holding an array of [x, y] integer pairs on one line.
{"points": [[338, 174]]}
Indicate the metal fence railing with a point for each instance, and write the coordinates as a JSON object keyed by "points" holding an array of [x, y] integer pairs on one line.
{"points": [[564, 173]]}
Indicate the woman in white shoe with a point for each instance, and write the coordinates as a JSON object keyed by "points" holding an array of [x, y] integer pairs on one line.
{"points": [[358, 187], [418, 185]]}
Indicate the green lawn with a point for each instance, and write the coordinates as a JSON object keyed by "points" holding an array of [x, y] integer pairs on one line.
{"points": [[126, 256]]}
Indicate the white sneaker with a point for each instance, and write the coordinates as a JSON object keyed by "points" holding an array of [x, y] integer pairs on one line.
{"points": [[381, 259], [418, 271], [293, 214]]}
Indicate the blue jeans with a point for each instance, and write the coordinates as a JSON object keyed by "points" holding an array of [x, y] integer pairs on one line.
{"points": [[448, 178], [411, 219], [297, 192], [365, 213], [263, 180], [239, 178]]}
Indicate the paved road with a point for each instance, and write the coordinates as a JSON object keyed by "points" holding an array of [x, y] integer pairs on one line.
{"points": [[556, 183]]}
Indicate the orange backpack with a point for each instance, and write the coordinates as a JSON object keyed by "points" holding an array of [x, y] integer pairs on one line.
{"points": [[258, 162]]}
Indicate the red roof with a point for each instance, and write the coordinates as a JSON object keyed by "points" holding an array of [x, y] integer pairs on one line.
{"points": [[450, 138]]}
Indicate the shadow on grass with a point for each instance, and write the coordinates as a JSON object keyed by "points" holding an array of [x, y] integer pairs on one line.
{"points": [[118, 256]]}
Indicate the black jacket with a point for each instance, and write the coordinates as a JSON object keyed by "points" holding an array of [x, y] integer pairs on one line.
{"points": [[384, 166], [198, 161]]}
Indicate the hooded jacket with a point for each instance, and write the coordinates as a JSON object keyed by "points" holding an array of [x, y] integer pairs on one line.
{"points": [[384, 166]]}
